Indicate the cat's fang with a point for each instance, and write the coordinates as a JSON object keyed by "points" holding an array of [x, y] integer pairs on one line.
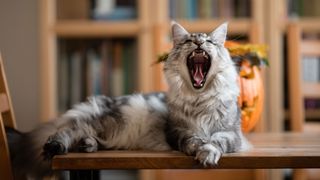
{"points": [[197, 85], [198, 63]]}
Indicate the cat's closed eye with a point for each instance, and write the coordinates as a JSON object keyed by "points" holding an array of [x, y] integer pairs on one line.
{"points": [[188, 41], [210, 41]]}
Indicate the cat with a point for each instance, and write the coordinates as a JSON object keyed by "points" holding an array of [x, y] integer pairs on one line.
{"points": [[204, 117], [198, 115]]}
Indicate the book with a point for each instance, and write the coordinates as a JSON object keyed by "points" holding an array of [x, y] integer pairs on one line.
{"points": [[215, 9], [226, 8], [106, 56], [242, 8], [190, 9], [63, 79], [293, 8], [173, 9], [94, 67], [202, 10], [117, 72], [113, 10], [103, 8], [180, 9], [73, 9], [310, 69], [206, 6], [94, 73], [76, 75], [129, 68], [302, 8], [206, 9]]}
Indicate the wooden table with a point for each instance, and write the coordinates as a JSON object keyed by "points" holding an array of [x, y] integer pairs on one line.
{"points": [[283, 150]]}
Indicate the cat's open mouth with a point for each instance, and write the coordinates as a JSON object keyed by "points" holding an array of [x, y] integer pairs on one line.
{"points": [[198, 63]]}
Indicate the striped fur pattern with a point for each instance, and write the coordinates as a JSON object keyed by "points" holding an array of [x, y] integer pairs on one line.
{"points": [[203, 122], [134, 122], [199, 117]]}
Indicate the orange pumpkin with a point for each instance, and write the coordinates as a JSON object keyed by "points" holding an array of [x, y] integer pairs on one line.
{"points": [[251, 96], [251, 99]]}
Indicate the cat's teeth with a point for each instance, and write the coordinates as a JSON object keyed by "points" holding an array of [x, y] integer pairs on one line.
{"points": [[193, 53], [204, 53]]}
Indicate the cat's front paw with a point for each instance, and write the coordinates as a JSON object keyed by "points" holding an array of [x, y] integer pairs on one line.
{"points": [[208, 155], [192, 145], [53, 147], [88, 144]]}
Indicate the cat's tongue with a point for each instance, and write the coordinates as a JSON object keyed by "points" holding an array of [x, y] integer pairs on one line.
{"points": [[198, 74]]}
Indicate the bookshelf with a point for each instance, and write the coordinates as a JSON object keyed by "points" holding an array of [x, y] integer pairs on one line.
{"points": [[56, 22], [267, 22], [94, 66], [304, 29], [304, 76], [267, 19]]}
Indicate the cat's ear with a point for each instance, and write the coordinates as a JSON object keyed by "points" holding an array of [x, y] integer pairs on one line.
{"points": [[219, 35], [178, 32]]}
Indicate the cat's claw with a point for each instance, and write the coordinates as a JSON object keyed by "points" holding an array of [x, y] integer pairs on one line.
{"points": [[53, 147], [208, 155]]}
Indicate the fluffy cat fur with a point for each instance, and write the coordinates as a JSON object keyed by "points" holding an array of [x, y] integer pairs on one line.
{"points": [[204, 118], [198, 115]]}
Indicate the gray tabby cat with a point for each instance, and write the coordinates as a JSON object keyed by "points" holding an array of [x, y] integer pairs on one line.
{"points": [[204, 118], [198, 115]]}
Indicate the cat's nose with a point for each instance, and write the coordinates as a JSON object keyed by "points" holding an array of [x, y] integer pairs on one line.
{"points": [[199, 42]]}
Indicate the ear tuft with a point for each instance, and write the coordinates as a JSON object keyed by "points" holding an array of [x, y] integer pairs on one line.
{"points": [[219, 35], [178, 32]]}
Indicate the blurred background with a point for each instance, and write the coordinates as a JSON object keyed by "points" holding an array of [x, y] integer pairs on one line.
{"points": [[57, 52]]}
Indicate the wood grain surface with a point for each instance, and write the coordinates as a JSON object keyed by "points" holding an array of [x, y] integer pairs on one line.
{"points": [[282, 150]]}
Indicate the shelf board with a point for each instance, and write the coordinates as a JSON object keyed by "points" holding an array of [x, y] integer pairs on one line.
{"points": [[308, 24], [311, 90], [310, 47], [312, 113], [309, 114], [88, 28], [239, 25]]}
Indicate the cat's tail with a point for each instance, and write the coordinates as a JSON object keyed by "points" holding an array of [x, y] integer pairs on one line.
{"points": [[13, 136], [26, 152]]}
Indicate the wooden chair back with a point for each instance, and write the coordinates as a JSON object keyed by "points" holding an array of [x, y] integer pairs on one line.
{"points": [[298, 89], [6, 119]]}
